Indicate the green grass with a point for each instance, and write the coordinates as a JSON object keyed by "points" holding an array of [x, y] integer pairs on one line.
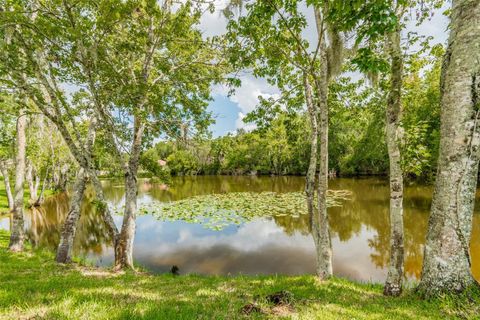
{"points": [[26, 196], [32, 286]]}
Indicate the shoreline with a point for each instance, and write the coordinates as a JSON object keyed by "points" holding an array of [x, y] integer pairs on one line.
{"points": [[33, 286]]}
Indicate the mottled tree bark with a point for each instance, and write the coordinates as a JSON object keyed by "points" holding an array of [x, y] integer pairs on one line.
{"points": [[393, 283], [41, 196], [320, 224], [31, 178], [446, 265], [124, 255], [78, 151], [312, 165], [17, 233], [6, 181], [62, 178], [321, 227], [65, 247]]}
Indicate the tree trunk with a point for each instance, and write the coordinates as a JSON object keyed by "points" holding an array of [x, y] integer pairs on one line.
{"points": [[320, 224], [124, 256], [33, 181], [312, 165], [82, 158], [62, 179], [393, 283], [446, 265], [65, 247], [8, 188], [321, 228], [17, 234], [36, 186], [41, 196]]}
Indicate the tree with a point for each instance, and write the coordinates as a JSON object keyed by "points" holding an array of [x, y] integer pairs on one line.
{"points": [[446, 266], [36, 58], [65, 246], [7, 144], [388, 17], [394, 135], [156, 69], [269, 40], [17, 232], [138, 63]]}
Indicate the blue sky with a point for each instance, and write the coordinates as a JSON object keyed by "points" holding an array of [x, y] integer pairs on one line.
{"points": [[226, 113], [229, 111]]}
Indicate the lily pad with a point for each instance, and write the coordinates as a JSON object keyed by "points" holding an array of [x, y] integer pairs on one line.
{"points": [[217, 211]]}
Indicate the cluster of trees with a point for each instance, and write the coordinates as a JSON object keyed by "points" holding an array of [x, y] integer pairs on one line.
{"points": [[122, 72], [112, 76], [271, 40], [280, 144], [47, 162]]}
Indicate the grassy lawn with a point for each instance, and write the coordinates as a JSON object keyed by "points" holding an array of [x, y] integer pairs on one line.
{"points": [[32, 286], [3, 196]]}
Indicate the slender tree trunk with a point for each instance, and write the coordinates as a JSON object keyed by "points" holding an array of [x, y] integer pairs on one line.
{"points": [[312, 165], [41, 196], [29, 179], [36, 185], [62, 178], [446, 264], [393, 283], [33, 181], [17, 234], [321, 228], [8, 188], [320, 224], [65, 247], [84, 160], [124, 256]]}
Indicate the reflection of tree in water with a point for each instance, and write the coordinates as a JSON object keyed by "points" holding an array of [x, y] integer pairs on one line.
{"points": [[475, 246], [114, 190], [291, 224], [185, 187], [45, 223], [368, 208]]}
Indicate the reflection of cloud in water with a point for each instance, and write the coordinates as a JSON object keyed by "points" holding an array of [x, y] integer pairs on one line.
{"points": [[257, 247], [360, 230]]}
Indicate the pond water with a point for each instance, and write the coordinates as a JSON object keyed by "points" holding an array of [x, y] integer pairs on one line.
{"points": [[273, 245]]}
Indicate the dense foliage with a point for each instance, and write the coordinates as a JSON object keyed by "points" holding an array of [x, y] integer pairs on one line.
{"points": [[280, 143]]}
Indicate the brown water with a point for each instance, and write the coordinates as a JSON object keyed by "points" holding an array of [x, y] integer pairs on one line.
{"points": [[283, 245]]}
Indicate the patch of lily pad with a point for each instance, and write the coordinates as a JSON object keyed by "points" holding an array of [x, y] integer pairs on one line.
{"points": [[217, 211]]}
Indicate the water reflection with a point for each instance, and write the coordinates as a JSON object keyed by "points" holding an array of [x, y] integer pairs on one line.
{"points": [[43, 226], [360, 230]]}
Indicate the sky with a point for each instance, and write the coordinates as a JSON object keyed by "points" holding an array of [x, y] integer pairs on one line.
{"points": [[230, 110]]}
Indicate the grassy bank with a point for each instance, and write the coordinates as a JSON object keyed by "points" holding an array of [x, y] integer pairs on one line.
{"points": [[34, 287], [26, 196]]}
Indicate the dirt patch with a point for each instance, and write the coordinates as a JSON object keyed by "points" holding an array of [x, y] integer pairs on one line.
{"points": [[250, 308], [279, 304], [283, 310]]}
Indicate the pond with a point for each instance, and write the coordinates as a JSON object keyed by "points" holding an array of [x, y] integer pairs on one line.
{"points": [[264, 245]]}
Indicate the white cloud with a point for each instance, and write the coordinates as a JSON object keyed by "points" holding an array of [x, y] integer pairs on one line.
{"points": [[247, 96], [239, 124], [213, 24]]}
